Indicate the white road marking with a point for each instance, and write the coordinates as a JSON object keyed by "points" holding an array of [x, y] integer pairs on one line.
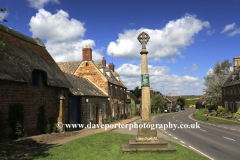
{"points": [[203, 130], [182, 142], [232, 129], [180, 122], [229, 138], [201, 153], [174, 137], [169, 134], [225, 127]]}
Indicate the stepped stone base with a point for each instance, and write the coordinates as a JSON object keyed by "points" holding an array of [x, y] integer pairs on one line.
{"points": [[157, 145]]}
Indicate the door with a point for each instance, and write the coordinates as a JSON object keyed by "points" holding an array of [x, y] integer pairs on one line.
{"points": [[75, 110], [97, 115]]}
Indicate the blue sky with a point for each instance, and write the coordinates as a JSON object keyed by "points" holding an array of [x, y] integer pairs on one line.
{"points": [[186, 37]]}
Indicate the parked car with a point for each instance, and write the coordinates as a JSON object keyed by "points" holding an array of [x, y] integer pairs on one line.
{"points": [[182, 108], [166, 111], [173, 110], [176, 109]]}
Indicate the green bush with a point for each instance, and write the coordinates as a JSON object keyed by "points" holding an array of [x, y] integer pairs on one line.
{"points": [[109, 120], [15, 115], [212, 107], [42, 122], [220, 110], [237, 113], [20, 131]]}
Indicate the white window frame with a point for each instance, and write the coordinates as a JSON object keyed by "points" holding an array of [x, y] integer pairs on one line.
{"points": [[104, 111], [226, 104], [89, 111]]}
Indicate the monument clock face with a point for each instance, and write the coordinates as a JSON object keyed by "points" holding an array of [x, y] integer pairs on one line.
{"points": [[145, 80]]}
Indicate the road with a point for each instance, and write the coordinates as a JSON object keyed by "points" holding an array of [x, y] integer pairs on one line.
{"points": [[215, 141]]}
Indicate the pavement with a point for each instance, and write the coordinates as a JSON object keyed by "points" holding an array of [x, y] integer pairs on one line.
{"points": [[81, 133]]}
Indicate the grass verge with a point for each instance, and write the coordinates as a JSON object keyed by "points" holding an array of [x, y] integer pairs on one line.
{"points": [[109, 146], [199, 116]]}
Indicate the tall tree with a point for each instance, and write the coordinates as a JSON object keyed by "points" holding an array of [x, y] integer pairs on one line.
{"points": [[137, 92], [157, 103], [181, 101], [215, 80], [2, 41]]}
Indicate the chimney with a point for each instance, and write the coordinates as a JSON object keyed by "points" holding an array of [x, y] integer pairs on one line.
{"points": [[87, 53], [236, 63], [151, 90], [111, 66], [104, 61]]}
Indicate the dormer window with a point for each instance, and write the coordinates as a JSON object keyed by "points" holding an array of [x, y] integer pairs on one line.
{"points": [[109, 74], [34, 80], [102, 70]]}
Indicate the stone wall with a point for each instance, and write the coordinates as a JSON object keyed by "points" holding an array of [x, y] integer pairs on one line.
{"points": [[231, 95]]}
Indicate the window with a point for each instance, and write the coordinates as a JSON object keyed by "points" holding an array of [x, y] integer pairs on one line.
{"points": [[118, 110], [116, 91], [226, 105], [112, 110], [34, 81], [111, 91], [238, 105], [89, 111], [231, 91], [232, 77], [104, 111], [224, 93]]}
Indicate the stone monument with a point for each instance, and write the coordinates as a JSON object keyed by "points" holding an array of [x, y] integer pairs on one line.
{"points": [[146, 139]]}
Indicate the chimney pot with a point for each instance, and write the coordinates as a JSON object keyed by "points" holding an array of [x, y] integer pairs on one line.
{"points": [[104, 62], [87, 53]]}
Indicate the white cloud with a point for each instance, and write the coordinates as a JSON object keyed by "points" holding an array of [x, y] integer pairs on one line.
{"points": [[164, 43], [131, 70], [228, 27], [159, 80], [193, 68], [210, 71], [210, 32], [3, 15], [37, 4], [231, 27], [63, 35], [236, 31]]}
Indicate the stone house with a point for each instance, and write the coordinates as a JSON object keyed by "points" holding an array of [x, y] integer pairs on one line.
{"points": [[87, 103], [105, 78], [32, 78], [202, 103], [231, 88]]}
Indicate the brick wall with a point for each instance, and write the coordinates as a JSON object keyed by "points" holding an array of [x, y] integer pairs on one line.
{"points": [[32, 97]]}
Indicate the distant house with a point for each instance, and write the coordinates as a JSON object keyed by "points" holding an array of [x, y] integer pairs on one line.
{"points": [[105, 78], [32, 78], [231, 88], [135, 101], [87, 103], [202, 103]]}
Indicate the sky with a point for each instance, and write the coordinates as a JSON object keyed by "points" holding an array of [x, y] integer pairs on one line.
{"points": [[187, 37]]}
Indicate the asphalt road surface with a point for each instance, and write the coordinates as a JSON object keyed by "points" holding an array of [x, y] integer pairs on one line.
{"points": [[215, 141]]}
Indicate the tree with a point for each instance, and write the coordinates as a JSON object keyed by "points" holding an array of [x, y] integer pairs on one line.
{"points": [[181, 101], [137, 92], [215, 80], [2, 41], [157, 103]]}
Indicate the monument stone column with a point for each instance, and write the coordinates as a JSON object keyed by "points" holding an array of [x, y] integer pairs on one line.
{"points": [[146, 139]]}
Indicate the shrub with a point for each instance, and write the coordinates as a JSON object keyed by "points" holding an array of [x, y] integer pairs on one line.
{"points": [[220, 110], [15, 115], [52, 122], [20, 131], [42, 121], [109, 120], [237, 113]]}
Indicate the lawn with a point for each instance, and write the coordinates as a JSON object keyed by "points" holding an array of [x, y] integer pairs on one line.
{"points": [[199, 116], [109, 146]]}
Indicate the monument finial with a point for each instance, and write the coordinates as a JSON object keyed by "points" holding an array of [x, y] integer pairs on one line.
{"points": [[143, 39]]}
